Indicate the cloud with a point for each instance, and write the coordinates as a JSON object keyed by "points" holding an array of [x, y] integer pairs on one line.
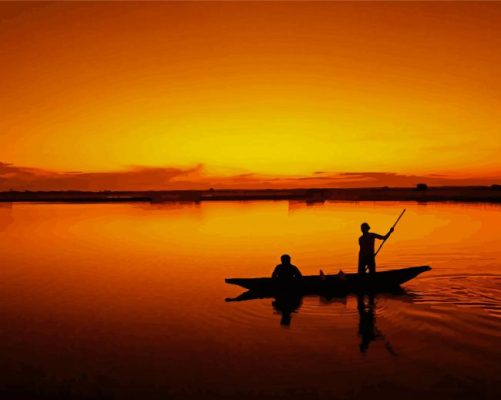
{"points": [[14, 177], [392, 179], [135, 178]]}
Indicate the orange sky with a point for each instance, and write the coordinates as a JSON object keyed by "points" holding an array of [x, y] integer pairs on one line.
{"points": [[275, 91]]}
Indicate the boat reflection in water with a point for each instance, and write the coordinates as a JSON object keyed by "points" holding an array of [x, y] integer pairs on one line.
{"points": [[287, 303]]}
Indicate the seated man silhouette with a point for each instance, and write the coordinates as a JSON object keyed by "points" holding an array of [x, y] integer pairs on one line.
{"points": [[366, 256], [286, 272]]}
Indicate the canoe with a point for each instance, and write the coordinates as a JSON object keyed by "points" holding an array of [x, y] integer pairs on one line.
{"points": [[384, 280]]}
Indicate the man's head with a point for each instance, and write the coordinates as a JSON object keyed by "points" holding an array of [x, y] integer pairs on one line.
{"points": [[365, 227], [286, 259]]}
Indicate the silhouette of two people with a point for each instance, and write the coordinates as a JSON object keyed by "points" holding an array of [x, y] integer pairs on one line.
{"points": [[366, 255]]}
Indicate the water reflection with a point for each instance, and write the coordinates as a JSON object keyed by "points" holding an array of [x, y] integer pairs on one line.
{"points": [[284, 303], [366, 325], [287, 303], [133, 294], [367, 328]]}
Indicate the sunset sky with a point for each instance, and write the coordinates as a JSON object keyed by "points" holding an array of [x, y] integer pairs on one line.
{"points": [[184, 95]]}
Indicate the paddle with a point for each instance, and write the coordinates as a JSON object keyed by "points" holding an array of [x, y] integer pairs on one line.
{"points": [[394, 225]]}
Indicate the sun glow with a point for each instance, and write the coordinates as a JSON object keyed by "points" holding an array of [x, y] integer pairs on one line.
{"points": [[267, 88]]}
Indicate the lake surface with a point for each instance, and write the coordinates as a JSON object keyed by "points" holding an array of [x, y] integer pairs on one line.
{"points": [[128, 301]]}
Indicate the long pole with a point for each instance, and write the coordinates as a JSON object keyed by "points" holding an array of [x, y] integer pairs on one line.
{"points": [[394, 225]]}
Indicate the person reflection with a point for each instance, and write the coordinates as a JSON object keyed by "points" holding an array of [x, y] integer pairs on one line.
{"points": [[286, 303], [366, 326]]}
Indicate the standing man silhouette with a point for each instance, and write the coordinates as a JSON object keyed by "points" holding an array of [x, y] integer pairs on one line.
{"points": [[366, 256]]}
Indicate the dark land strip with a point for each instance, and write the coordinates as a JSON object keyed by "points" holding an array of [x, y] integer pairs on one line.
{"points": [[488, 194]]}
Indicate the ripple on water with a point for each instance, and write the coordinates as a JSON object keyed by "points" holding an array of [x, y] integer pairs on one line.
{"points": [[440, 293], [471, 291], [248, 314]]}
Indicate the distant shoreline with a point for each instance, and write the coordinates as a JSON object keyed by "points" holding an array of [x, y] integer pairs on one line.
{"points": [[489, 194]]}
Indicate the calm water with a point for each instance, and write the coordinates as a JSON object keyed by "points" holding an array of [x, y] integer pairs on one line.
{"points": [[127, 301]]}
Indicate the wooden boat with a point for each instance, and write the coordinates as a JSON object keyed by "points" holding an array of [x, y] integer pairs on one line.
{"points": [[311, 284]]}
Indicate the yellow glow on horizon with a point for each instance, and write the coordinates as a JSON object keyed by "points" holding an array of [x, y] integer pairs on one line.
{"points": [[284, 89]]}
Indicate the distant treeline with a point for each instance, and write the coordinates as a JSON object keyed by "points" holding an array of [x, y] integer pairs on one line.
{"points": [[421, 193]]}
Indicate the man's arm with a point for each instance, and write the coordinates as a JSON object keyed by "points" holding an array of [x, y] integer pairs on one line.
{"points": [[389, 233], [381, 237], [274, 275]]}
